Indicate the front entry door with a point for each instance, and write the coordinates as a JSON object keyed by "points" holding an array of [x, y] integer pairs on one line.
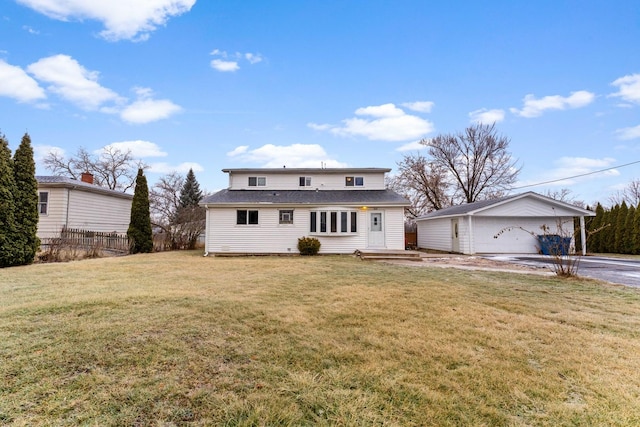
{"points": [[455, 236], [376, 230]]}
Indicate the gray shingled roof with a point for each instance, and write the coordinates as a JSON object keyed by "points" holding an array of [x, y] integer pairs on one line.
{"points": [[306, 197], [468, 208], [64, 182], [306, 170]]}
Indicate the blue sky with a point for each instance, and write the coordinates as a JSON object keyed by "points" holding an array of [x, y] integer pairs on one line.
{"points": [[254, 83]]}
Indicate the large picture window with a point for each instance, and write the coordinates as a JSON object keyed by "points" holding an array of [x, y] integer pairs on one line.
{"points": [[333, 222], [246, 217]]}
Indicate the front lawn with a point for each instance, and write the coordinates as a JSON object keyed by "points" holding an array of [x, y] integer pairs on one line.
{"points": [[178, 339]]}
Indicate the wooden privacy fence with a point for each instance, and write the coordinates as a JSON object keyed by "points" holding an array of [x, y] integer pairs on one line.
{"points": [[94, 239]]}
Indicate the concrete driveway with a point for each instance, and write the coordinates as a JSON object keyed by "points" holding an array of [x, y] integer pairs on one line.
{"points": [[614, 270]]}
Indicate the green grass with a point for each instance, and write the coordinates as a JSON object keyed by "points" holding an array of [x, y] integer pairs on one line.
{"points": [[178, 339]]}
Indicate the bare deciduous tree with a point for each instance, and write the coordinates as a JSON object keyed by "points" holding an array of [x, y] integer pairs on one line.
{"points": [[465, 167], [112, 168], [564, 195], [180, 225]]}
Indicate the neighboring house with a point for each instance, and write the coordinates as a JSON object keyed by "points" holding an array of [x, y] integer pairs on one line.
{"points": [[65, 202], [267, 210], [470, 228]]}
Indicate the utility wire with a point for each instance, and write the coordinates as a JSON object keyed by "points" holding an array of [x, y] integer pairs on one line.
{"points": [[575, 176]]}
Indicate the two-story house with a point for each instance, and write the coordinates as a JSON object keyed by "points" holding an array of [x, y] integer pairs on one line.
{"points": [[267, 210]]}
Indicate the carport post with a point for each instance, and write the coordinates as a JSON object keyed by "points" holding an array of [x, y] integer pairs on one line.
{"points": [[583, 236]]}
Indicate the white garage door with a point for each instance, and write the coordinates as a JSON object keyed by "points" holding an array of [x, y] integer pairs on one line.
{"points": [[514, 241]]}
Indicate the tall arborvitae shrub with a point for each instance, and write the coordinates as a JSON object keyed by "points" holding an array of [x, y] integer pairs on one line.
{"points": [[627, 237], [139, 232], [621, 220], [595, 237], [26, 201], [9, 255], [636, 231], [610, 232]]}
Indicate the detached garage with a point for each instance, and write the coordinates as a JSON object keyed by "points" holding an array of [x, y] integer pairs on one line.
{"points": [[470, 228]]}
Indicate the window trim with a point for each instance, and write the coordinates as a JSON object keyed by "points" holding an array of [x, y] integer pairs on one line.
{"points": [[304, 181], [333, 222], [354, 181], [248, 213], [281, 213], [41, 203], [259, 181]]}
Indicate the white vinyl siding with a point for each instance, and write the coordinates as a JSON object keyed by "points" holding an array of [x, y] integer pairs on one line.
{"points": [[85, 210], [321, 181], [435, 234]]}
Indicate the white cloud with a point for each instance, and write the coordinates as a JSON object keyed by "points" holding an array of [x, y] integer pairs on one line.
{"points": [[138, 148], [419, 106], [42, 151], [277, 156], [230, 62], [628, 88], [149, 110], [122, 19], [535, 107], [316, 126], [253, 58], [165, 168], [487, 116], [411, 146], [629, 133], [146, 110], [16, 83], [383, 123], [238, 150], [72, 81], [225, 66]]}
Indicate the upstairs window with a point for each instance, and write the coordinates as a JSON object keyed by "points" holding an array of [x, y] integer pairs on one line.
{"points": [[246, 217], [305, 181], [257, 181], [43, 202], [351, 181]]}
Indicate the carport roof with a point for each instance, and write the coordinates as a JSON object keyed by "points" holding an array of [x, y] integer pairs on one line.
{"points": [[475, 207]]}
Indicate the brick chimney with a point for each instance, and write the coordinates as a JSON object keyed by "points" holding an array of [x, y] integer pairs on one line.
{"points": [[86, 177]]}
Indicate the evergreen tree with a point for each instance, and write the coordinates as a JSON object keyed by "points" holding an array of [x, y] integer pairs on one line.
{"points": [[139, 232], [627, 237], [190, 194], [610, 234], [9, 255], [621, 219], [606, 231], [636, 232], [594, 240], [26, 201]]}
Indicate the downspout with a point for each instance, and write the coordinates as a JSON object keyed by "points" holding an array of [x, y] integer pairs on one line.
{"points": [[66, 220], [471, 245], [206, 231]]}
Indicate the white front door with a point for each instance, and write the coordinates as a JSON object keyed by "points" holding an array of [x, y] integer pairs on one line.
{"points": [[455, 236], [376, 230]]}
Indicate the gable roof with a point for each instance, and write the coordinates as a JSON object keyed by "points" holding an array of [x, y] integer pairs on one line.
{"points": [[74, 184], [468, 209], [306, 197]]}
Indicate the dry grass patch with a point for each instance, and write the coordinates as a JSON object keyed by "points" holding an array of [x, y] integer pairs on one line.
{"points": [[177, 339]]}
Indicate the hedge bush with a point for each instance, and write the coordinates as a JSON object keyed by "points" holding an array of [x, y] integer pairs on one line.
{"points": [[308, 245]]}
